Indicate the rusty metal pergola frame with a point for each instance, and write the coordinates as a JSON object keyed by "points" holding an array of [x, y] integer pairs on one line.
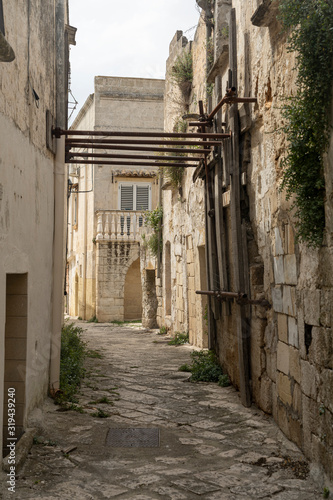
{"points": [[141, 149], [166, 149]]}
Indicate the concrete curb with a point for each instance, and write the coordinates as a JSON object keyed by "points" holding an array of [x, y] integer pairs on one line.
{"points": [[22, 449]]}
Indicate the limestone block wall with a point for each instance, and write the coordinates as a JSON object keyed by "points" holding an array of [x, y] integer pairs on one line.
{"points": [[292, 357], [183, 260], [290, 345], [148, 267], [113, 260]]}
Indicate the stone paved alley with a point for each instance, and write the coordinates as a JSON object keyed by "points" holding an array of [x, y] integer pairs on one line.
{"points": [[210, 447]]}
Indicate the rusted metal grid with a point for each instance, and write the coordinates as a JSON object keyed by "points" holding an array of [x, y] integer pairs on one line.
{"points": [[150, 149]]}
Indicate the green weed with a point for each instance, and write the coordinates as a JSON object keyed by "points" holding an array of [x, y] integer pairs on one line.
{"points": [[179, 339], [101, 414], [103, 400], [206, 368], [73, 353], [163, 330], [326, 493], [93, 320], [93, 354], [224, 381], [185, 368]]}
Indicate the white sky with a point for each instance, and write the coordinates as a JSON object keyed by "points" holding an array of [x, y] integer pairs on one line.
{"points": [[124, 38]]}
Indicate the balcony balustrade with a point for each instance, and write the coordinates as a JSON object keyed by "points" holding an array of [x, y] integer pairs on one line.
{"points": [[120, 225]]}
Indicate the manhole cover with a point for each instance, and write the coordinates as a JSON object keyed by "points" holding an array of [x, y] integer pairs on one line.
{"points": [[133, 438]]}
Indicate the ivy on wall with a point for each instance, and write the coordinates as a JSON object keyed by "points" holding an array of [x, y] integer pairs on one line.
{"points": [[153, 219], [309, 24]]}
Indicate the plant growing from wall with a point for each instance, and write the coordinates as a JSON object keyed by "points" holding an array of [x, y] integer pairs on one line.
{"points": [[175, 174], [210, 53], [307, 114], [153, 219], [180, 125], [182, 72]]}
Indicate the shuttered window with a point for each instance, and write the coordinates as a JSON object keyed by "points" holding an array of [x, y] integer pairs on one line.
{"points": [[134, 196], [126, 197], [142, 198]]}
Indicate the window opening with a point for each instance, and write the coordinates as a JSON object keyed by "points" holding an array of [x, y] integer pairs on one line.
{"points": [[133, 197]]}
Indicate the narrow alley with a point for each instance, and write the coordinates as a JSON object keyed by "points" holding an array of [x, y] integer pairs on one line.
{"points": [[201, 441]]}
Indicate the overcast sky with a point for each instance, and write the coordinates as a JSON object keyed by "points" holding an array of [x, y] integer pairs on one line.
{"points": [[124, 38]]}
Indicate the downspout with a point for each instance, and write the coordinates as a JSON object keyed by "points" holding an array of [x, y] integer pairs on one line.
{"points": [[60, 184], [209, 201]]}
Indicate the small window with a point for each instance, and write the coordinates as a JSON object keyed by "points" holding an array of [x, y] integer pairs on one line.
{"points": [[134, 196]]}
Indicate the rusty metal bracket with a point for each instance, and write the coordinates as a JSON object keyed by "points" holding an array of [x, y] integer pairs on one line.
{"points": [[240, 298]]}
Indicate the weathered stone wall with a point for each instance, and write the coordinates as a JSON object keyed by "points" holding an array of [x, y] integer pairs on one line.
{"points": [[113, 261], [148, 267], [27, 200], [179, 307], [290, 344], [292, 358]]}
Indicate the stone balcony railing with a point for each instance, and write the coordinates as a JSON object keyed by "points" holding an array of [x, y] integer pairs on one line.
{"points": [[120, 225]]}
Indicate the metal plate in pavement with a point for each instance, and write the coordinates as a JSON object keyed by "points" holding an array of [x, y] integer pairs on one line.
{"points": [[133, 438]]}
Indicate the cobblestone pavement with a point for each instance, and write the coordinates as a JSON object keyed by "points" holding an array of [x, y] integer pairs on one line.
{"points": [[210, 446]]}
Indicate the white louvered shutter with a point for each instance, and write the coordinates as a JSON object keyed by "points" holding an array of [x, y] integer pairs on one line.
{"points": [[142, 198], [126, 197]]}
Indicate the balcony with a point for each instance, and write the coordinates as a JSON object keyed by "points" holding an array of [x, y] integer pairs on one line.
{"points": [[120, 225]]}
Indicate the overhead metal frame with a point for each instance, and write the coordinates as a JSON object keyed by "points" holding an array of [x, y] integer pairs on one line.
{"points": [[82, 147]]}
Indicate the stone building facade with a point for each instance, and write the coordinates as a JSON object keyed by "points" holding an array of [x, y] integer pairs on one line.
{"points": [[183, 258], [279, 357], [107, 204], [34, 48]]}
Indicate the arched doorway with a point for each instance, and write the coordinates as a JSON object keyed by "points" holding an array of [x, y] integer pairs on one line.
{"points": [[133, 293]]}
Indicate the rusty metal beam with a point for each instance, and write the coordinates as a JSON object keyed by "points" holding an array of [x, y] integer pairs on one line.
{"points": [[230, 98], [136, 148], [132, 157], [89, 142], [104, 133], [155, 164], [241, 298]]}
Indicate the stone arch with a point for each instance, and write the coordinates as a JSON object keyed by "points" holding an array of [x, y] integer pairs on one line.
{"points": [[133, 292]]}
